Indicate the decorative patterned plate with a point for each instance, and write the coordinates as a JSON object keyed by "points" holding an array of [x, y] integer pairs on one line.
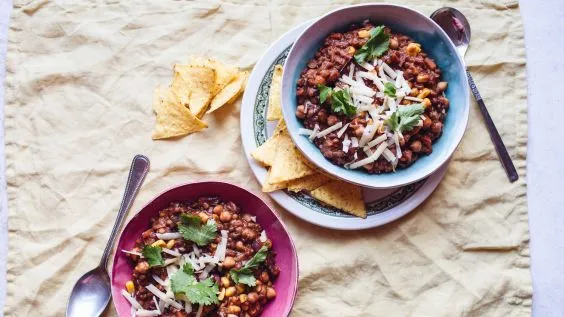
{"points": [[383, 206]]}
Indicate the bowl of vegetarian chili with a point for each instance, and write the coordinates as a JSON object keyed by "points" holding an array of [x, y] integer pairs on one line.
{"points": [[376, 95], [205, 249]]}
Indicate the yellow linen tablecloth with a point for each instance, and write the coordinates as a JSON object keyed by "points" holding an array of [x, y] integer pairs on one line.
{"points": [[78, 107]]}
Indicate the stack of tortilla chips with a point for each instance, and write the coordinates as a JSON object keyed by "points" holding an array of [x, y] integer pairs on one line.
{"points": [[198, 88], [289, 169]]}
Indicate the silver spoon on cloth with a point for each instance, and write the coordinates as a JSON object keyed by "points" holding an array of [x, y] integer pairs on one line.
{"points": [[456, 26], [92, 292]]}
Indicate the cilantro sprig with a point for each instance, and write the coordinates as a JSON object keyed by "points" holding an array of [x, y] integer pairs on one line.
{"points": [[390, 90], [192, 229], [376, 45], [153, 255], [405, 118], [245, 274], [340, 99], [203, 292]]}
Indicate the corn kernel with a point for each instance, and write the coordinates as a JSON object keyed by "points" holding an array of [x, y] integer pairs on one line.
{"points": [[243, 298], [130, 287], [363, 34], [413, 49], [426, 102], [225, 282], [221, 295], [230, 291], [351, 50], [170, 244], [240, 288], [158, 243], [424, 93], [414, 91]]}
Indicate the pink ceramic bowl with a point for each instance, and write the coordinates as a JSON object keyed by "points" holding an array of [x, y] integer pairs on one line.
{"points": [[286, 257]]}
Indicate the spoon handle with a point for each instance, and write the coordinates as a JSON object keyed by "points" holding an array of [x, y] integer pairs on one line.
{"points": [[494, 135], [137, 173]]}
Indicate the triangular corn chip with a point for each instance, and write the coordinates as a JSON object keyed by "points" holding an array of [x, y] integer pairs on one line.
{"points": [[173, 119], [289, 163], [224, 73], [194, 86], [309, 182], [230, 92], [342, 195], [274, 106]]}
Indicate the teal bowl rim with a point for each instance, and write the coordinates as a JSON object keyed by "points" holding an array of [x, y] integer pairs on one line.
{"points": [[390, 180]]}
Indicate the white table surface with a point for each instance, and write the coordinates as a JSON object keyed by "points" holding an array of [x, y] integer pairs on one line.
{"points": [[544, 25]]}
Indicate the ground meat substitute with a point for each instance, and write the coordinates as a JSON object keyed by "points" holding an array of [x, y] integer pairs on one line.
{"points": [[243, 243], [334, 59]]}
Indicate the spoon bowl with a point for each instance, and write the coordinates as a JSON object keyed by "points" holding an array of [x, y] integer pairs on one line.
{"points": [[456, 26], [91, 293]]}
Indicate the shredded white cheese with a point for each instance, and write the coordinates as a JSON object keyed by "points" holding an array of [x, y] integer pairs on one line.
{"points": [[368, 133], [303, 131], [162, 296], [131, 299], [399, 79], [132, 252], [377, 141], [156, 304], [171, 252], [314, 133], [221, 247], [368, 66], [371, 158], [159, 280], [145, 313], [346, 143], [332, 128], [389, 71], [388, 155], [169, 235], [168, 262], [351, 70], [413, 99], [354, 142], [398, 148], [343, 129], [377, 81], [263, 236], [383, 76]]}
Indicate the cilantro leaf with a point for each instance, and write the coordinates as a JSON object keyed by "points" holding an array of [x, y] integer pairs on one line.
{"points": [[202, 292], [200, 234], [258, 258], [191, 220], [182, 279], [376, 45], [390, 90], [405, 118], [153, 255], [324, 93], [341, 101], [245, 275]]}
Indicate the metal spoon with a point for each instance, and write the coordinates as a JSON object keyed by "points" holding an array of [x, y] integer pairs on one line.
{"points": [[456, 26], [92, 292]]}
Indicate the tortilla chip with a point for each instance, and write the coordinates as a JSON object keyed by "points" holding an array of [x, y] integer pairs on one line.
{"points": [[267, 187], [194, 86], [280, 127], [309, 183], [230, 92], [266, 153], [289, 163], [274, 107], [224, 73], [342, 195], [173, 119]]}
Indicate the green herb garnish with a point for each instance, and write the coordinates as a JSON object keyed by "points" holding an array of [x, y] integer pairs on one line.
{"points": [[405, 118], [245, 274], [192, 229], [341, 100], [153, 255], [390, 90], [203, 292], [324, 93], [376, 45]]}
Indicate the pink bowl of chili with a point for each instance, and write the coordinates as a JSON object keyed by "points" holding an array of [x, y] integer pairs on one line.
{"points": [[281, 248]]}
